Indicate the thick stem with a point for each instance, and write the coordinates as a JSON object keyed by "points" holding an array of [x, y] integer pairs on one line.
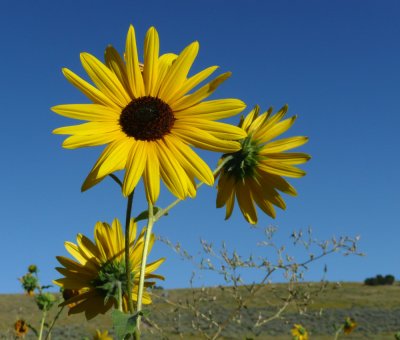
{"points": [[143, 264], [127, 248], [42, 325]]}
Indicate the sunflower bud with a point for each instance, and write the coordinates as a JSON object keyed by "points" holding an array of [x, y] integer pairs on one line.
{"points": [[45, 301]]}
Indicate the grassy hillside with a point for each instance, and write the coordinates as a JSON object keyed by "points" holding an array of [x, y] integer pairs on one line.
{"points": [[376, 310]]}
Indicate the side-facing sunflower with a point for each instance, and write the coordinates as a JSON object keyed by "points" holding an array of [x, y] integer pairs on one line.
{"points": [[99, 269], [149, 117], [254, 173], [299, 332]]}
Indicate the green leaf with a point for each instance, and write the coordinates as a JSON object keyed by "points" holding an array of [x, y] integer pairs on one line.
{"points": [[144, 215], [125, 324]]}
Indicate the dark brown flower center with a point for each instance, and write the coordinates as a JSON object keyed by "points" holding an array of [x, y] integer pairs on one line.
{"points": [[146, 118]]}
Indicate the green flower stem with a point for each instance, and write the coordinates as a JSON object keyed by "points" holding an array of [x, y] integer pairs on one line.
{"points": [[54, 322], [338, 333], [119, 296], [144, 260], [127, 248], [165, 211], [42, 325]]}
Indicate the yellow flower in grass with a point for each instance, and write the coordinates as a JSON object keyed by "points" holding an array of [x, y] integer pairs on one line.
{"points": [[101, 335], [255, 173], [21, 328], [150, 118], [299, 332], [349, 325], [99, 270]]}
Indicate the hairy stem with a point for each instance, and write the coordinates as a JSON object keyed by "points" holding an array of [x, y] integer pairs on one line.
{"points": [[127, 248], [42, 325], [54, 322]]}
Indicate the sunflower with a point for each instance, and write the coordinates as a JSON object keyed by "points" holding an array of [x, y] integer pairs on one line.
{"points": [[150, 118], [99, 270], [21, 328], [299, 332], [254, 174], [349, 325], [101, 335]]}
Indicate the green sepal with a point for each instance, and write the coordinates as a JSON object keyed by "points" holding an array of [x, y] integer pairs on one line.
{"points": [[125, 324], [144, 215]]}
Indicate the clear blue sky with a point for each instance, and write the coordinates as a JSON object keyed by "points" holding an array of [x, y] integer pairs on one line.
{"points": [[336, 63]]}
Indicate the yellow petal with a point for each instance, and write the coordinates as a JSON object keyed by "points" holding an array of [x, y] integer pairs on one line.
{"points": [[266, 134], [91, 112], [116, 64], [213, 109], [192, 82], [280, 169], [251, 116], [203, 139], [264, 191], [173, 175], [202, 93], [225, 189], [265, 122], [164, 64], [260, 200], [105, 79], [151, 267], [78, 141], [189, 160], [90, 128], [291, 158], [178, 72], [134, 166], [245, 202], [88, 90], [217, 129], [230, 203], [150, 70], [283, 145], [278, 182], [114, 157], [152, 174], [132, 65]]}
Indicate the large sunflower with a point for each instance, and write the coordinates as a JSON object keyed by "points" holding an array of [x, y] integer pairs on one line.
{"points": [[149, 116], [254, 174], [99, 269]]}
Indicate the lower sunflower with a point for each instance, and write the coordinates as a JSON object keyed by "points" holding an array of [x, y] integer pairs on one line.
{"points": [[299, 332], [254, 173], [98, 276]]}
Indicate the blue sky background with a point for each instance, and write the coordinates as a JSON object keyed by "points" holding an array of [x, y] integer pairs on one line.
{"points": [[336, 63]]}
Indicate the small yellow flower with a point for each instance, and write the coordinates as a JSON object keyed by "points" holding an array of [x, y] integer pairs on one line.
{"points": [[150, 118], [299, 332], [254, 174], [99, 270], [349, 325], [21, 328], [101, 335]]}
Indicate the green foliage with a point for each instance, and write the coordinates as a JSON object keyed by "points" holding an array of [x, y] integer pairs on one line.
{"points": [[45, 301], [379, 280], [397, 336], [29, 282], [125, 324], [144, 215]]}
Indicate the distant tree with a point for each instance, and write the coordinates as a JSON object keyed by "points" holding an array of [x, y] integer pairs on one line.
{"points": [[379, 280]]}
